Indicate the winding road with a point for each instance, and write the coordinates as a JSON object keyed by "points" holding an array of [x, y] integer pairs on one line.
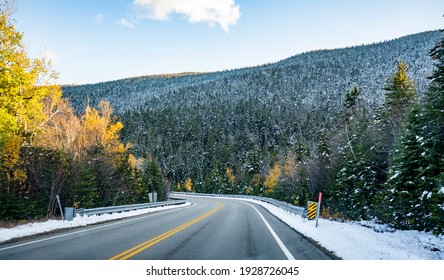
{"points": [[208, 229]]}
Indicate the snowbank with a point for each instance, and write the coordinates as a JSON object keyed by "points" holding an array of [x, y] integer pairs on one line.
{"points": [[354, 241]]}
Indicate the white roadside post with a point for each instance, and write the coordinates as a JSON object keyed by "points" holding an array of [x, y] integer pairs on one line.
{"points": [[60, 206], [319, 208]]}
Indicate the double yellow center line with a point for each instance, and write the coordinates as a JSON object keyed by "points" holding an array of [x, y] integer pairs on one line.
{"points": [[145, 245]]}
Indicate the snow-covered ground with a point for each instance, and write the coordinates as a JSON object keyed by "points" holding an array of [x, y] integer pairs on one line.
{"points": [[351, 241], [42, 227], [363, 241]]}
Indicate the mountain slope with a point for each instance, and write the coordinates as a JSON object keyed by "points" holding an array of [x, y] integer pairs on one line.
{"points": [[308, 75], [198, 125]]}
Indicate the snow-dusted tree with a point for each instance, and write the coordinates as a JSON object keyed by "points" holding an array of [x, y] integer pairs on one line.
{"points": [[416, 177], [356, 181], [400, 95], [408, 199]]}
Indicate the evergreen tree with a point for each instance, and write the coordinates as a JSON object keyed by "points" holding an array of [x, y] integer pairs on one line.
{"points": [[86, 190], [352, 102], [399, 97], [157, 180], [408, 200], [416, 177], [153, 179], [356, 182]]}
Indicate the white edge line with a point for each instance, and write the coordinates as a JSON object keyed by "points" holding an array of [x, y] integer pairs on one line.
{"points": [[276, 237]]}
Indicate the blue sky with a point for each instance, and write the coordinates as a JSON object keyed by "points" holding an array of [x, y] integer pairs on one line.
{"points": [[100, 40]]}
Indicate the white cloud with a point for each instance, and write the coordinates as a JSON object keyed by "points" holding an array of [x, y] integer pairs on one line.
{"points": [[221, 12], [126, 23], [99, 18], [49, 54]]}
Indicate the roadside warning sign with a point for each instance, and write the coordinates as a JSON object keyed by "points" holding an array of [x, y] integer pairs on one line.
{"points": [[311, 210]]}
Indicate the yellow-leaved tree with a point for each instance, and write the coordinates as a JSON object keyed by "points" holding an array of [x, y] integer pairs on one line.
{"points": [[28, 97], [101, 167], [230, 176], [26, 90], [100, 128], [25, 84], [272, 178], [75, 135], [188, 185]]}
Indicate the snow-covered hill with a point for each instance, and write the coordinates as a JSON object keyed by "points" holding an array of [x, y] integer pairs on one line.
{"points": [[197, 124], [310, 77]]}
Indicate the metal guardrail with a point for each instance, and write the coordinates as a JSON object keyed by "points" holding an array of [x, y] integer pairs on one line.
{"points": [[283, 205], [125, 208]]}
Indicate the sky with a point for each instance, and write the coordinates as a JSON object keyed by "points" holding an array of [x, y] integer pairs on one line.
{"points": [[103, 40]]}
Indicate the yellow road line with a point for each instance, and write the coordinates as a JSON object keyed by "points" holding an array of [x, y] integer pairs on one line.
{"points": [[145, 245]]}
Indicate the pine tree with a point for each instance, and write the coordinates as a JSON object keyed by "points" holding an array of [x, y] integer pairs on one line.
{"points": [[86, 190], [389, 120], [434, 135], [154, 179], [416, 177], [407, 200], [399, 97], [356, 182], [351, 103]]}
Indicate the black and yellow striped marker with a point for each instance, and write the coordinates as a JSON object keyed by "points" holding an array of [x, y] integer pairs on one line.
{"points": [[311, 210]]}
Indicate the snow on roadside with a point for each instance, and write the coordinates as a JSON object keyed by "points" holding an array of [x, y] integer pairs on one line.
{"points": [[50, 225], [353, 241]]}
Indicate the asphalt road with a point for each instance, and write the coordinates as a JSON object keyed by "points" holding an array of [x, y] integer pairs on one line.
{"points": [[209, 229]]}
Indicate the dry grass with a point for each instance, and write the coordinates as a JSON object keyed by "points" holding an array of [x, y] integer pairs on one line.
{"points": [[328, 213], [12, 224]]}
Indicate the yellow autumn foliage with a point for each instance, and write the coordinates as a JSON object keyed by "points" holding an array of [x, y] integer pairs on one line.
{"points": [[67, 132], [272, 178], [188, 185], [230, 176], [290, 165], [25, 84]]}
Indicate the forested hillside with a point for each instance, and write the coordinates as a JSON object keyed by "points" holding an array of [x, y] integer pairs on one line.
{"points": [[309, 78], [325, 121]]}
